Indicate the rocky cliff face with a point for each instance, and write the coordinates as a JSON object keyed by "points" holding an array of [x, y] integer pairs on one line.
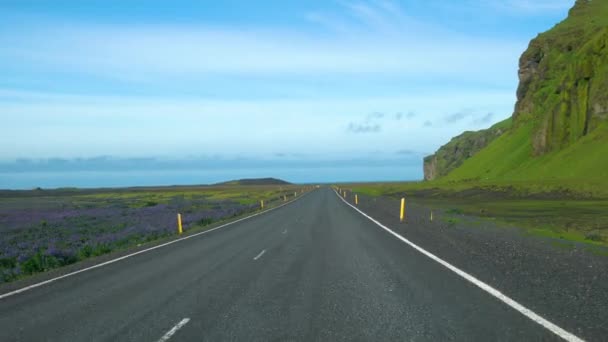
{"points": [[430, 167], [563, 77], [562, 93], [460, 148]]}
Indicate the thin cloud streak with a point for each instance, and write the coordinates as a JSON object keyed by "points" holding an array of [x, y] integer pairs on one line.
{"points": [[364, 128], [137, 52], [531, 6], [102, 124], [486, 119]]}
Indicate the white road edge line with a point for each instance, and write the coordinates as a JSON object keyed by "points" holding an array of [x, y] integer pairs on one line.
{"points": [[260, 255], [173, 330], [12, 293], [487, 288]]}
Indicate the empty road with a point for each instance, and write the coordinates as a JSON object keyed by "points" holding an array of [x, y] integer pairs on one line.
{"points": [[313, 270]]}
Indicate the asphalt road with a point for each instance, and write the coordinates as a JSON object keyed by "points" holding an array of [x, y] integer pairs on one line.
{"points": [[314, 270]]}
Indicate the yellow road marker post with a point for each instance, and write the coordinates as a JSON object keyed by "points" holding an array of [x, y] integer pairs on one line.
{"points": [[402, 214], [431, 216], [179, 224], [356, 199], [262, 204]]}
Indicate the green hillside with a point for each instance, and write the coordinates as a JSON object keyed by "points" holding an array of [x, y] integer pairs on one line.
{"points": [[451, 155], [509, 158], [559, 128]]}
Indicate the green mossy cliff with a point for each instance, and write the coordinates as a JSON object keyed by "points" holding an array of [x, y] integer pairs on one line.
{"points": [[564, 79], [453, 154], [561, 99]]}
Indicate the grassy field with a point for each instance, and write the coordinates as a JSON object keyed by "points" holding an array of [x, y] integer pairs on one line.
{"points": [[45, 229], [546, 189], [545, 209]]}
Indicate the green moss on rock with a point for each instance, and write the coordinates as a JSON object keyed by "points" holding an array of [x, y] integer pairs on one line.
{"points": [[562, 107]]}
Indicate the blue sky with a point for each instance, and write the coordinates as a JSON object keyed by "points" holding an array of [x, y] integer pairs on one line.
{"points": [[307, 81]]}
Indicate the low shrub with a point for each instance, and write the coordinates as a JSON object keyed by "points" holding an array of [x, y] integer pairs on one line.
{"points": [[595, 237], [205, 221], [39, 262], [8, 263], [455, 211]]}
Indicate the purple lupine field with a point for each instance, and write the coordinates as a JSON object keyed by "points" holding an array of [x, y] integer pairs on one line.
{"points": [[45, 229]]}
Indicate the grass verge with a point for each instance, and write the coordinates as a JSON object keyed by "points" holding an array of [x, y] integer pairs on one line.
{"points": [[539, 210]]}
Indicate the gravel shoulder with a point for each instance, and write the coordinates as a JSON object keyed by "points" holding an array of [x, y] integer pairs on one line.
{"points": [[566, 284]]}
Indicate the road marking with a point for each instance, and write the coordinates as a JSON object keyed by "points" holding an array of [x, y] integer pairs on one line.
{"points": [[260, 255], [27, 288], [173, 330], [285, 231], [492, 291]]}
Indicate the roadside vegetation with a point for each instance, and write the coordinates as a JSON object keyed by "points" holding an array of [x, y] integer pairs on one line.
{"points": [[45, 229], [546, 209]]}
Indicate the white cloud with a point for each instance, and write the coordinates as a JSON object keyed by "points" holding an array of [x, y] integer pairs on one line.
{"points": [[372, 37], [206, 51]]}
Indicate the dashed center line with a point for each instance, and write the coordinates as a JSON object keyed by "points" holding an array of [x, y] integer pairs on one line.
{"points": [[260, 255], [173, 330]]}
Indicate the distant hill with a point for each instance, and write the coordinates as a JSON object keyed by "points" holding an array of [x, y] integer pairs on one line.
{"points": [[256, 181], [559, 129]]}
